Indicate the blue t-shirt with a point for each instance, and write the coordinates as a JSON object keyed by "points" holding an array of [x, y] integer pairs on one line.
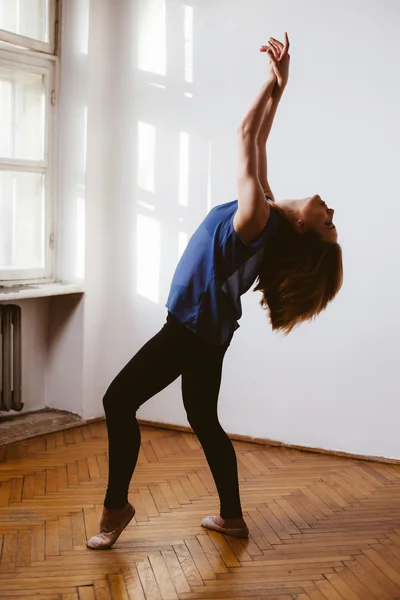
{"points": [[216, 268]]}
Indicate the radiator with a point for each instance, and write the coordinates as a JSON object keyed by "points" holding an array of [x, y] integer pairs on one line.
{"points": [[10, 357]]}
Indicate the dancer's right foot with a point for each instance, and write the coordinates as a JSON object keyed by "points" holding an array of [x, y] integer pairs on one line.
{"points": [[233, 527], [112, 524]]}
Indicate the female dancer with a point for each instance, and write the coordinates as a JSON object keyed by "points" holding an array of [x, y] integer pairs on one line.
{"points": [[289, 247]]}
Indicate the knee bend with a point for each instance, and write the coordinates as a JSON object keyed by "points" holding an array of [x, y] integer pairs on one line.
{"points": [[112, 399], [200, 421], [109, 399], [118, 400]]}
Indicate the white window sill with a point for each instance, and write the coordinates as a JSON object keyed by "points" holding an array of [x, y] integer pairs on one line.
{"points": [[39, 290]]}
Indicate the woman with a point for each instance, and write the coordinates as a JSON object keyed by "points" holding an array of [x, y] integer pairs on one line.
{"points": [[290, 248]]}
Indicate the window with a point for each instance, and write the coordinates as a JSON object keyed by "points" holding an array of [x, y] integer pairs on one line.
{"points": [[28, 69], [29, 23]]}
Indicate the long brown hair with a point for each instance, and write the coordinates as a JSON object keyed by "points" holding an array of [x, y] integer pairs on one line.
{"points": [[301, 273]]}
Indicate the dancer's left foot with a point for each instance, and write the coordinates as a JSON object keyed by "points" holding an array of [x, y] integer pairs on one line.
{"points": [[111, 526]]}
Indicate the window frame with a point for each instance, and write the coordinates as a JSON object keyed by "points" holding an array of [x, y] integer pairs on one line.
{"points": [[48, 66], [20, 40]]}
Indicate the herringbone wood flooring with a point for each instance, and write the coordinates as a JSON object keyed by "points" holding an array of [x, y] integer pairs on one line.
{"points": [[322, 527]]}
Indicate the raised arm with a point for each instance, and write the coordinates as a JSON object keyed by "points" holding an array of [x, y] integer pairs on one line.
{"points": [[263, 134], [280, 66], [253, 210]]}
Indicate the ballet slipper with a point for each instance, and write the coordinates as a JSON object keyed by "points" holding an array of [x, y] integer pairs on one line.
{"points": [[105, 539], [238, 532]]}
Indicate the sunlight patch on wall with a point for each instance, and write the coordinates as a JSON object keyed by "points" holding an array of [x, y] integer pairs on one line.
{"points": [[148, 236], [182, 243], [183, 168], [209, 201], [83, 19], [188, 41], [80, 233], [152, 37], [85, 126], [157, 85], [146, 156], [146, 205], [80, 216]]}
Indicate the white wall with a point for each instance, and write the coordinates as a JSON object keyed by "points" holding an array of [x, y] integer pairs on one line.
{"points": [[331, 384]]}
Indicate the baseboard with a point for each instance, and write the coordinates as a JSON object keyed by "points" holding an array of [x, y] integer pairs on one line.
{"points": [[267, 442], [233, 436]]}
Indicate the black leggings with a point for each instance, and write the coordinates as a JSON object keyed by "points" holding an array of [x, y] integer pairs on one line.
{"points": [[173, 351]]}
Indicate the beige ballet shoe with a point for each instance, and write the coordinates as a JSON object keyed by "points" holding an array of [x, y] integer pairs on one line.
{"points": [[238, 532], [105, 539]]}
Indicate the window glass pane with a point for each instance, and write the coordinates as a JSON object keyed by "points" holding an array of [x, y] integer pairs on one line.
{"points": [[22, 220], [22, 114], [29, 18]]}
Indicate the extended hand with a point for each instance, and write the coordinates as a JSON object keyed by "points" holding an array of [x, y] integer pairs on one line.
{"points": [[279, 59]]}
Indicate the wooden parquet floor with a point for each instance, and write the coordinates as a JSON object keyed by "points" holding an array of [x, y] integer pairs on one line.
{"points": [[322, 527]]}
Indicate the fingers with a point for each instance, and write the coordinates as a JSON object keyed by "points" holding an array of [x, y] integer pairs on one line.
{"points": [[284, 48], [286, 45], [276, 48], [272, 56], [271, 48], [277, 42]]}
